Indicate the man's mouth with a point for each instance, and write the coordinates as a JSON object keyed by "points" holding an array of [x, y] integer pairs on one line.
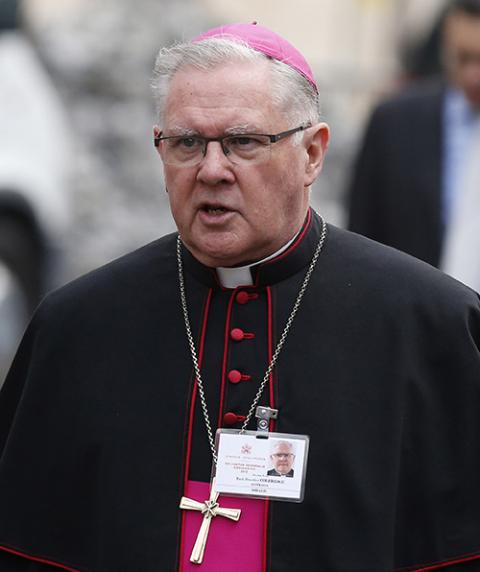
{"points": [[215, 210]]}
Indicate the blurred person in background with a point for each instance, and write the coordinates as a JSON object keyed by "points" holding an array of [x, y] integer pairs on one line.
{"points": [[108, 415], [411, 182]]}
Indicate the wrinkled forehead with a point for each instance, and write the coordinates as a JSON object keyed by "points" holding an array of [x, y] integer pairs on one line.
{"points": [[227, 95]]}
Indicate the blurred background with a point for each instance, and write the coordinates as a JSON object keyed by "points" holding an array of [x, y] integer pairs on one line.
{"points": [[80, 183]]}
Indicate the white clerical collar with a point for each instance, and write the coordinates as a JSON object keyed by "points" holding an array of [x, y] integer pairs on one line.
{"points": [[242, 275]]}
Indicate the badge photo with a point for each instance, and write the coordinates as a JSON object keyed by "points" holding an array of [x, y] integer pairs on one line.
{"points": [[261, 465]]}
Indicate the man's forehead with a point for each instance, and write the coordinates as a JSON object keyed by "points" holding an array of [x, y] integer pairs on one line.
{"points": [[283, 445], [224, 99]]}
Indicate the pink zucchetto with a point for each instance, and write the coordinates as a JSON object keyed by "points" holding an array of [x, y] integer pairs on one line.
{"points": [[265, 41]]}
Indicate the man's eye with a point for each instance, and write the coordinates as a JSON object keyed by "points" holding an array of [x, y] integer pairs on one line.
{"points": [[244, 141], [184, 143], [188, 142]]}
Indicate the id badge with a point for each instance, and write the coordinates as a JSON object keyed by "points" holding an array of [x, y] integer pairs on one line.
{"points": [[263, 465]]}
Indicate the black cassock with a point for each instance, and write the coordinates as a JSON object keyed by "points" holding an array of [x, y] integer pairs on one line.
{"points": [[381, 368]]}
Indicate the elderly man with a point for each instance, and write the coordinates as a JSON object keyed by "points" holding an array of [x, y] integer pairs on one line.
{"points": [[108, 416]]}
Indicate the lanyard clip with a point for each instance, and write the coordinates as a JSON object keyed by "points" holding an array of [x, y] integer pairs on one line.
{"points": [[263, 415]]}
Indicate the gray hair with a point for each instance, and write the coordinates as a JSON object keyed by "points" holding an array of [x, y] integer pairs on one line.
{"points": [[291, 91], [284, 443]]}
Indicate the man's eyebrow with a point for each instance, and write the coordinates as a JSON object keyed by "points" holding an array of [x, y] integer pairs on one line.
{"points": [[240, 129], [180, 130]]}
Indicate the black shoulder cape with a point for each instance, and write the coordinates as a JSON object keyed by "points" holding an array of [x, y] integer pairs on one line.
{"points": [[99, 428]]}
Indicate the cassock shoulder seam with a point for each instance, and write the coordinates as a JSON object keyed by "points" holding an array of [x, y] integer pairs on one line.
{"points": [[40, 559], [431, 566], [139, 260], [408, 276], [122, 276]]}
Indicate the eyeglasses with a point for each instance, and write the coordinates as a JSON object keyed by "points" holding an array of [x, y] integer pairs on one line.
{"points": [[283, 455], [240, 148]]}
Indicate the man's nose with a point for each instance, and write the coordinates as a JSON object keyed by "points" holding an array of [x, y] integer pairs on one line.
{"points": [[215, 165]]}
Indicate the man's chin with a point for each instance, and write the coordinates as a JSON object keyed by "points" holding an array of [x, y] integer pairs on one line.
{"points": [[213, 259], [217, 252]]}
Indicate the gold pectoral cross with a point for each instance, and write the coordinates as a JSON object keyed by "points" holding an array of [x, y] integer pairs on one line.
{"points": [[209, 509]]}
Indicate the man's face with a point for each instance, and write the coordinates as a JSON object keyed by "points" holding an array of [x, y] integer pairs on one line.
{"points": [[462, 54], [282, 458], [231, 214]]}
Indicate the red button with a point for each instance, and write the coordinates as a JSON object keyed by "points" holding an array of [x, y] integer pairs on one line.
{"points": [[234, 376], [242, 297], [237, 334], [232, 418]]}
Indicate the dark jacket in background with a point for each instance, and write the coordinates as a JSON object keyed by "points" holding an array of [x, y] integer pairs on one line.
{"points": [[396, 189]]}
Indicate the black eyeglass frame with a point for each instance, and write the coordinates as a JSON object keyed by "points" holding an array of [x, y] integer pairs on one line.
{"points": [[273, 138]]}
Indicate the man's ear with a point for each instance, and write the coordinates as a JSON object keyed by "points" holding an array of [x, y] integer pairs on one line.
{"points": [[316, 142]]}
